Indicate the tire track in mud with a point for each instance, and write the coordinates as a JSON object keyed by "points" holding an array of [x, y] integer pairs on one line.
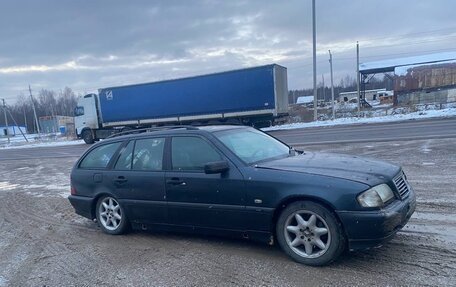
{"points": [[40, 238], [420, 263], [15, 203]]}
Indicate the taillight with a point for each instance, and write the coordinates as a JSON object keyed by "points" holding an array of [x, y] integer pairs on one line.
{"points": [[73, 190]]}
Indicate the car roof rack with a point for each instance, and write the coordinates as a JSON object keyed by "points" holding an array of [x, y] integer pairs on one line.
{"points": [[152, 129]]}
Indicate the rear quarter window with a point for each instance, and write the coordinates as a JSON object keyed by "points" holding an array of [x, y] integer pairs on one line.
{"points": [[100, 156]]}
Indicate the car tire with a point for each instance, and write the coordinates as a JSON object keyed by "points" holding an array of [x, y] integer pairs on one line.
{"points": [[314, 238], [87, 137], [111, 216]]}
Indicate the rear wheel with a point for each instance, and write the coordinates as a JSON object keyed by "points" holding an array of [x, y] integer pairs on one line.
{"points": [[310, 234], [87, 137], [111, 216]]}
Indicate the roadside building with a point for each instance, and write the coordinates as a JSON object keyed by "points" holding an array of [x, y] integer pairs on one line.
{"points": [[12, 130], [416, 80], [57, 124], [304, 100], [370, 95], [425, 83]]}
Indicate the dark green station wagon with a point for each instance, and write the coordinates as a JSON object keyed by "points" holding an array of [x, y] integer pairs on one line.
{"points": [[239, 181]]}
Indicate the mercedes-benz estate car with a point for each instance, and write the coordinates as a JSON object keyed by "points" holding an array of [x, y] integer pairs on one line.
{"points": [[239, 181]]}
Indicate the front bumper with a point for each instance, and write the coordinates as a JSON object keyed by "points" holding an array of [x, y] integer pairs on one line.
{"points": [[369, 229]]}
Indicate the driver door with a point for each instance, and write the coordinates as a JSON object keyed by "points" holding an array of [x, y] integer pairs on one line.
{"points": [[198, 199]]}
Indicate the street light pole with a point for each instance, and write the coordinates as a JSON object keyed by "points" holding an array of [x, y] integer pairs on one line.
{"points": [[314, 52], [332, 86], [357, 78]]}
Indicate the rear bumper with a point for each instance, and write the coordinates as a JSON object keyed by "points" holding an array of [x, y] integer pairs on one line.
{"points": [[369, 229], [82, 205]]}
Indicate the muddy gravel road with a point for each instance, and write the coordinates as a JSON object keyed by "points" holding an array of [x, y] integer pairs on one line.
{"points": [[43, 243]]}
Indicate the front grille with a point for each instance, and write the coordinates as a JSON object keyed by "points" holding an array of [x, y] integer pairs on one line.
{"points": [[401, 184]]}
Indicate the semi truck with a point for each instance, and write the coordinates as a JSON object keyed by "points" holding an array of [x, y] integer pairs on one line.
{"points": [[255, 96]]}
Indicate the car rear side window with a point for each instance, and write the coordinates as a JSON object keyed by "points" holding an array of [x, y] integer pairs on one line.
{"points": [[126, 157], [148, 154], [192, 153], [100, 156]]}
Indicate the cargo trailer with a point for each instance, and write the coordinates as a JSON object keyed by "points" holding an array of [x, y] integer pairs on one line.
{"points": [[255, 96]]}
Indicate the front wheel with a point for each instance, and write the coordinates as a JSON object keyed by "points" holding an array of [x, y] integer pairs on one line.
{"points": [[87, 137], [310, 234], [111, 216]]}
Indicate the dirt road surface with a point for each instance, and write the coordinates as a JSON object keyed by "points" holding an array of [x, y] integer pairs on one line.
{"points": [[43, 243]]}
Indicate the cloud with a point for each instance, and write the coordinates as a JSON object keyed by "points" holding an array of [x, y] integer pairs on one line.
{"points": [[92, 44]]}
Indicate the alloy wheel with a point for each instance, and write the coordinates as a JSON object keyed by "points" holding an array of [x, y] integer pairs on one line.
{"points": [[307, 234], [110, 213]]}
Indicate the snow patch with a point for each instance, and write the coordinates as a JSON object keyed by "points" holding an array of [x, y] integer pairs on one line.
{"points": [[3, 281], [34, 194], [408, 61], [403, 70], [64, 194], [5, 185], [449, 112], [44, 144], [428, 163]]}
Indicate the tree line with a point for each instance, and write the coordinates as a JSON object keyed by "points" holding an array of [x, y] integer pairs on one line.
{"points": [[47, 103]]}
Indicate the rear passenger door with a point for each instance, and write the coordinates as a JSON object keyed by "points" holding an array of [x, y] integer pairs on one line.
{"points": [[138, 178], [199, 199]]}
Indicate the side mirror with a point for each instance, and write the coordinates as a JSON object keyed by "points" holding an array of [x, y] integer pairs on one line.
{"points": [[216, 167]]}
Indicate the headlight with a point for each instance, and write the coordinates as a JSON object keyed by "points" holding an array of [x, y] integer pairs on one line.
{"points": [[376, 196]]}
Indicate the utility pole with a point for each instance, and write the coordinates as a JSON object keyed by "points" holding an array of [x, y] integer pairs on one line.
{"points": [[17, 126], [25, 120], [314, 53], [34, 112], [6, 121], [357, 77], [332, 86], [323, 92]]}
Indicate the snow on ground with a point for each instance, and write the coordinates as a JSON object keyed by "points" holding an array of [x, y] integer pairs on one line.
{"points": [[34, 140], [450, 112], [43, 144]]}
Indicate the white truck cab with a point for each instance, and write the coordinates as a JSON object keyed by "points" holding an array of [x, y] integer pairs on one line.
{"points": [[86, 118]]}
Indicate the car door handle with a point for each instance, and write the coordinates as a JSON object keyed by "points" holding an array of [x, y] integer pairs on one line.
{"points": [[120, 179], [176, 181]]}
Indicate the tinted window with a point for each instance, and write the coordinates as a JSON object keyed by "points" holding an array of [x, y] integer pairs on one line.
{"points": [[100, 156], [125, 160], [192, 153], [148, 154]]}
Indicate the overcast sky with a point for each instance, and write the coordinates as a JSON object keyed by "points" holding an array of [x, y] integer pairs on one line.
{"points": [[87, 45]]}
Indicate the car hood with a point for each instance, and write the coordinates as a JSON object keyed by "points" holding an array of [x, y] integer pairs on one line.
{"points": [[354, 168]]}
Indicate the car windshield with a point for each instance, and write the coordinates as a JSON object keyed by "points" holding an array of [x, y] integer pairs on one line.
{"points": [[252, 146]]}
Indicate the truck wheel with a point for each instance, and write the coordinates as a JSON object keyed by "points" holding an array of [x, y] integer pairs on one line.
{"points": [[310, 234], [87, 137]]}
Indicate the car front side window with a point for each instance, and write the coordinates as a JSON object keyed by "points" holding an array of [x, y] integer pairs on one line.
{"points": [[192, 153]]}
